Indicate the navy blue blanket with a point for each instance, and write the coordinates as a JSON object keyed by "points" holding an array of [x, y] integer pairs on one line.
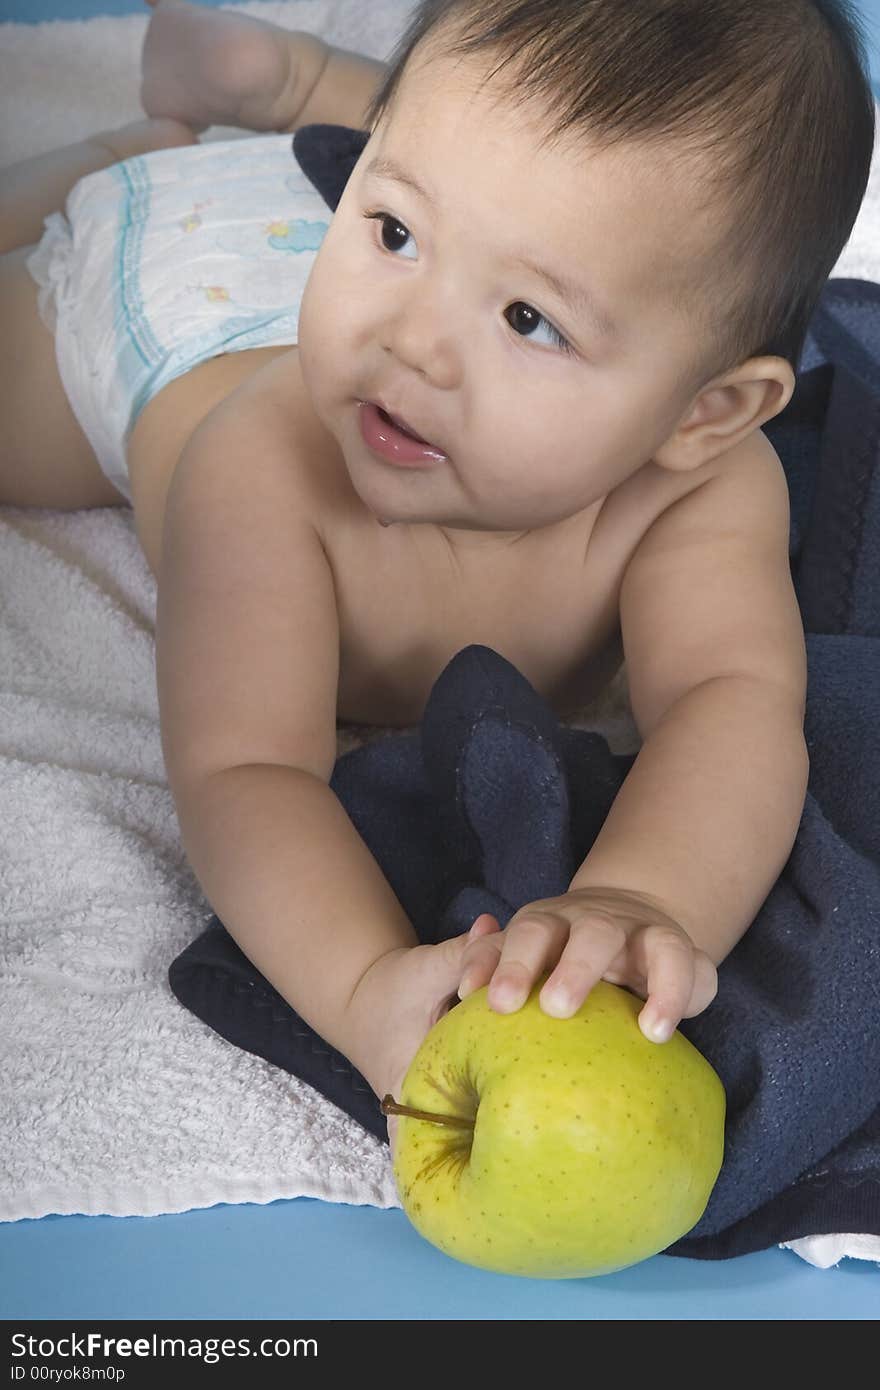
{"points": [[794, 1031]]}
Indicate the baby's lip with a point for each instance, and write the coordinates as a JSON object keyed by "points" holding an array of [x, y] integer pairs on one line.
{"points": [[405, 425], [399, 420]]}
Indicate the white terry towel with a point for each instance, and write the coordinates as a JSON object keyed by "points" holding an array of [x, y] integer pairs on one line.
{"points": [[116, 1099]]}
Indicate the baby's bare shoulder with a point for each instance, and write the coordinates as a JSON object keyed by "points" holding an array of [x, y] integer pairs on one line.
{"points": [[708, 591], [743, 490], [272, 408], [247, 628]]}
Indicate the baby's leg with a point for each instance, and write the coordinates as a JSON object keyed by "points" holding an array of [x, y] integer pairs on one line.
{"points": [[29, 191], [215, 67], [45, 459]]}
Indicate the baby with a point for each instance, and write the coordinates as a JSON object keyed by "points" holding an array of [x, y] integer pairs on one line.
{"points": [[519, 404]]}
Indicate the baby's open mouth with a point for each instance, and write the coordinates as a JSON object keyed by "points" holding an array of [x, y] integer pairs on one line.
{"points": [[399, 424], [394, 438]]}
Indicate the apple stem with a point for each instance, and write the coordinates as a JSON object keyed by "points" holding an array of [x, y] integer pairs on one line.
{"points": [[391, 1107]]}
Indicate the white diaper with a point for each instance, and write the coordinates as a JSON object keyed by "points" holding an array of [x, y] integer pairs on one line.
{"points": [[166, 260]]}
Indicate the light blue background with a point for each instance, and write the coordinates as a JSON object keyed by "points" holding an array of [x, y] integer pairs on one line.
{"points": [[310, 1259]]}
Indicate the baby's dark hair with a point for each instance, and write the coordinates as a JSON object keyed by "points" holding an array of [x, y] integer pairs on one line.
{"points": [[775, 92]]}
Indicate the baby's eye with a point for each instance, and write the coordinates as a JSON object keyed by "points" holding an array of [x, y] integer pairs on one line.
{"points": [[525, 320], [521, 316], [391, 232]]}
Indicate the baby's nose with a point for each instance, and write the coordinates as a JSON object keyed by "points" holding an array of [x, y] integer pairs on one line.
{"points": [[419, 338]]}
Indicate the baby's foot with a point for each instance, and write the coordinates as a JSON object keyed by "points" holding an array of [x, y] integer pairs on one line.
{"points": [[213, 67]]}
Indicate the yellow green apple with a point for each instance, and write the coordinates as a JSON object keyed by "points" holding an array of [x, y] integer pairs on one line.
{"points": [[555, 1148]]}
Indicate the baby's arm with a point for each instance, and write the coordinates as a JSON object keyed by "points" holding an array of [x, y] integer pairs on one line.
{"points": [[709, 811], [247, 666], [716, 664]]}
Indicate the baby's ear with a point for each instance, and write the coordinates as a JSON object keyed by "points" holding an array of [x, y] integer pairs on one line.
{"points": [[726, 411]]}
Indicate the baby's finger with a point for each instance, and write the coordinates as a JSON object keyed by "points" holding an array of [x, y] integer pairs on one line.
{"points": [[531, 944], [705, 985], [670, 970], [593, 944], [484, 925], [485, 940]]}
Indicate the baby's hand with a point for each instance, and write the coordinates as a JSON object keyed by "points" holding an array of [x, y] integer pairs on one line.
{"points": [[592, 934], [397, 1003]]}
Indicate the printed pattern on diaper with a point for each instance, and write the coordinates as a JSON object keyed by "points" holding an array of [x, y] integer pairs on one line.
{"points": [[296, 236]]}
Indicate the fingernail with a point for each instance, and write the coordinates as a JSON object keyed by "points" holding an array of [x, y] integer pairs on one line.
{"points": [[557, 1003], [659, 1030], [508, 998]]}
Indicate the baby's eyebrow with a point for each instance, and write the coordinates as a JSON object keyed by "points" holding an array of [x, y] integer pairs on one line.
{"points": [[385, 168], [577, 296]]}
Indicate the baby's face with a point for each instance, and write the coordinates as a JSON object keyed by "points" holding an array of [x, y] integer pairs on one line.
{"points": [[543, 396]]}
